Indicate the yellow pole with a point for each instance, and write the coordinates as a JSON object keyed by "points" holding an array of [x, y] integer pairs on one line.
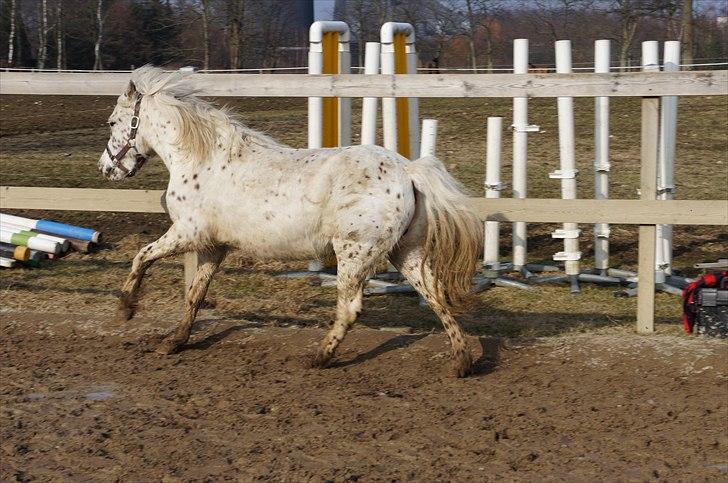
{"points": [[403, 127], [330, 45]]}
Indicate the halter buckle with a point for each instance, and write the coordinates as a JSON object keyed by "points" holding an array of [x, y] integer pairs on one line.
{"points": [[134, 122]]}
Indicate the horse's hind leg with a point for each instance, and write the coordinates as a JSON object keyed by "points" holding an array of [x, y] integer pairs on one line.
{"points": [[354, 262], [408, 260], [209, 261]]}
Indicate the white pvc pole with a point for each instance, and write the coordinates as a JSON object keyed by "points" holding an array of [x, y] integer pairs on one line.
{"points": [[520, 152], [18, 228], [389, 104], [651, 62], [413, 104], [34, 242], [491, 256], [567, 174], [601, 156], [315, 104], [344, 102], [668, 144], [369, 104], [429, 137]]}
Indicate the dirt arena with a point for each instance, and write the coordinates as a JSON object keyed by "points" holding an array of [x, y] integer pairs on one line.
{"points": [[563, 391], [84, 398]]}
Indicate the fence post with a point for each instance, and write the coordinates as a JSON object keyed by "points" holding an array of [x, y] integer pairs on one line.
{"points": [[428, 137], [601, 157], [491, 255], [666, 160], [369, 104], [648, 233], [567, 170], [520, 153]]}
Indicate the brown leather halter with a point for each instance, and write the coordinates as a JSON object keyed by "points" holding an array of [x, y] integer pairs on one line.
{"points": [[139, 159]]}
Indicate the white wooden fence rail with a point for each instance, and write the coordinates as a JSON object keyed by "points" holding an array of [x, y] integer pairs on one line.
{"points": [[634, 84]]}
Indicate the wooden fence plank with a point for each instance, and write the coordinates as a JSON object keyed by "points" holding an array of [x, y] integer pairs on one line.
{"points": [[648, 233], [688, 83], [631, 212], [82, 199]]}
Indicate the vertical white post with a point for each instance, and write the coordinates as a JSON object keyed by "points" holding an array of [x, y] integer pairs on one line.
{"points": [[520, 152], [413, 104], [389, 104], [666, 160], [567, 172], [429, 137], [344, 102], [369, 104], [651, 62], [601, 156], [491, 256], [315, 104]]}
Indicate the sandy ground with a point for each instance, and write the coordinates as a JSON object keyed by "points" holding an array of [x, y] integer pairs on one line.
{"points": [[86, 399]]}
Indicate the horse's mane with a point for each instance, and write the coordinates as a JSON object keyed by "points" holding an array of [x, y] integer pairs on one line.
{"points": [[200, 122]]}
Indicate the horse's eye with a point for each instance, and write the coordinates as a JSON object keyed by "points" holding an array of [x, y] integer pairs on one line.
{"points": [[111, 123]]}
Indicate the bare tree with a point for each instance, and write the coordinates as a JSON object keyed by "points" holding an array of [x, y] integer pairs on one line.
{"points": [[630, 13], [99, 35], [687, 32], [206, 33], [43, 34], [11, 38], [59, 34], [235, 13]]}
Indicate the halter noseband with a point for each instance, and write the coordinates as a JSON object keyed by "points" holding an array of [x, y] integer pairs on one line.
{"points": [[140, 159]]}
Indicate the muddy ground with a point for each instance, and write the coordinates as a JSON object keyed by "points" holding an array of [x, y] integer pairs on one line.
{"points": [[564, 390], [84, 398]]}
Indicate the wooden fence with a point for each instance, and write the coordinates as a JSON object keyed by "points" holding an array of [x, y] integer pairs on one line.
{"points": [[646, 212]]}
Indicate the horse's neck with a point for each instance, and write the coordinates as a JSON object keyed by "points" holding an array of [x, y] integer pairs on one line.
{"points": [[236, 143]]}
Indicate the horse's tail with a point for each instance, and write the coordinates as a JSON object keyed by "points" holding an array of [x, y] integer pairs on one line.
{"points": [[454, 234]]}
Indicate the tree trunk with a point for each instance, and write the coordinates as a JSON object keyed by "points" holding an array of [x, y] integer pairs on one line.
{"points": [[206, 32], [488, 53], [236, 14], [629, 27], [59, 34], [43, 34], [99, 37], [471, 35], [11, 39], [687, 32]]}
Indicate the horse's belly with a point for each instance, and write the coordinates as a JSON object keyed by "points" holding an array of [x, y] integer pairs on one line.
{"points": [[267, 236]]}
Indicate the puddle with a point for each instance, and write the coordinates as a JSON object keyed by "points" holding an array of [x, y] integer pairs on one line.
{"points": [[99, 395]]}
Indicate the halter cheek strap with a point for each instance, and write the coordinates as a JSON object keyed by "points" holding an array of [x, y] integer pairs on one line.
{"points": [[140, 159]]}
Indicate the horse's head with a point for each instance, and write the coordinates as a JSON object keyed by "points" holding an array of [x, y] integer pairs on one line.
{"points": [[127, 150]]}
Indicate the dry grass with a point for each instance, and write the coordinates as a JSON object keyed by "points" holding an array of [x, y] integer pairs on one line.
{"points": [[53, 141]]}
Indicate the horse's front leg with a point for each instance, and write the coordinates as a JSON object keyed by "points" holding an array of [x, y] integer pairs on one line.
{"points": [[171, 243], [209, 261]]}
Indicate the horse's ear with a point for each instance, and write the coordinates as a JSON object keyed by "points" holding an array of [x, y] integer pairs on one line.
{"points": [[130, 90]]}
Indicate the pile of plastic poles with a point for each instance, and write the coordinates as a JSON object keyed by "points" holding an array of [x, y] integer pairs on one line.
{"points": [[26, 242]]}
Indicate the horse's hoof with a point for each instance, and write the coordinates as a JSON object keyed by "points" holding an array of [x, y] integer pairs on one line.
{"points": [[462, 364], [127, 307], [168, 347], [319, 361]]}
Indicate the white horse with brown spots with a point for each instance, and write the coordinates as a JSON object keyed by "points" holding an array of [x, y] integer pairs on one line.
{"points": [[234, 188]]}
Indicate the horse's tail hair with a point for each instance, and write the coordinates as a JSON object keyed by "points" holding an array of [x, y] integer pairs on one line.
{"points": [[454, 234]]}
